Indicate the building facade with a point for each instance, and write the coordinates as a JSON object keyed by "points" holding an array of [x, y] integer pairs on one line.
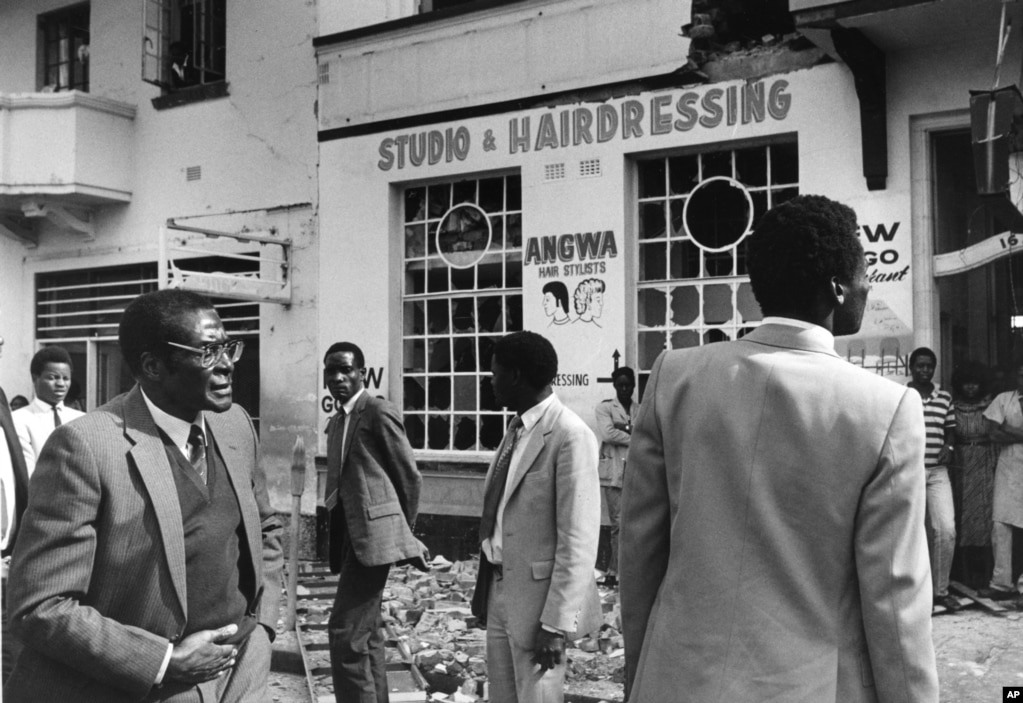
{"points": [[565, 167], [428, 175], [117, 118]]}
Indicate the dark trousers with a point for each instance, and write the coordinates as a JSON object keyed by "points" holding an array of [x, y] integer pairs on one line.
{"points": [[357, 658]]}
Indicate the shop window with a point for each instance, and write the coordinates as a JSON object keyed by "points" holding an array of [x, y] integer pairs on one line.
{"points": [[64, 49], [184, 43], [463, 291], [694, 212], [81, 310]]}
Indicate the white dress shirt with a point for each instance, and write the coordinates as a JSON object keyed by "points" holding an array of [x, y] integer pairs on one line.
{"points": [[492, 546], [818, 331], [34, 424]]}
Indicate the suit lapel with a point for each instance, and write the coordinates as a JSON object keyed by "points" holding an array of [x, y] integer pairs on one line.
{"points": [[534, 445], [150, 459], [234, 460]]}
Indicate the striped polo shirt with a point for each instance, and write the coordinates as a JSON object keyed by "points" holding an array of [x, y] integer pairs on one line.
{"points": [[939, 420]]}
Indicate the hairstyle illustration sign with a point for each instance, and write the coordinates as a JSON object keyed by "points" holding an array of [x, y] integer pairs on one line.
{"points": [[572, 293]]}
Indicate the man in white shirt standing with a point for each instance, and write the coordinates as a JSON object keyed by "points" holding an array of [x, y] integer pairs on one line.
{"points": [[51, 379]]}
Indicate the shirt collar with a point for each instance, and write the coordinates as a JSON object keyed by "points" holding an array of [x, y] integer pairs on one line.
{"points": [[822, 334], [174, 427], [42, 406], [350, 404], [533, 415]]}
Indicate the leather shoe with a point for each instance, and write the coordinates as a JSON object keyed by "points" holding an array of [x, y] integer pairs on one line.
{"points": [[948, 602], [997, 594]]}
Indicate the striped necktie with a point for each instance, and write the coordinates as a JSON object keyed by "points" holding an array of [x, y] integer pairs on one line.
{"points": [[197, 451], [495, 489]]}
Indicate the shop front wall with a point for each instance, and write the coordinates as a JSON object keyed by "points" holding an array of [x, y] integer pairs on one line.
{"points": [[583, 171]]}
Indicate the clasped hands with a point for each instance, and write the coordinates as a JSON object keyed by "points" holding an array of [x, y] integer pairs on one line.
{"points": [[199, 657]]}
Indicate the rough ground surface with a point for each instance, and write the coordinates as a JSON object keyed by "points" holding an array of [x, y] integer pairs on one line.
{"points": [[978, 652]]}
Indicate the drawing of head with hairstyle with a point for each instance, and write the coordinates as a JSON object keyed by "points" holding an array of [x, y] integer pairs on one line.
{"points": [[589, 300], [555, 302]]}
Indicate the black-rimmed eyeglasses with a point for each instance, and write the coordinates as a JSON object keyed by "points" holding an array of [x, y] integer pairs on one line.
{"points": [[210, 353]]}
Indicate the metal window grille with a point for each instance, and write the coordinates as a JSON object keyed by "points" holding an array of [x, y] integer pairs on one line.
{"points": [[65, 49], [554, 172], [590, 168], [452, 316], [688, 296]]}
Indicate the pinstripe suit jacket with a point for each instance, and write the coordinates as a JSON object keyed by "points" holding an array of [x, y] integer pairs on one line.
{"points": [[97, 583]]}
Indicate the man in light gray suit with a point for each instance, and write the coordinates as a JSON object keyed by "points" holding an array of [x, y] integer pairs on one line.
{"points": [[539, 529], [148, 562], [773, 544]]}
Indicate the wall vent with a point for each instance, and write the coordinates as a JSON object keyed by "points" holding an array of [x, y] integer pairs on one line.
{"points": [[554, 172], [193, 173], [324, 72], [589, 168]]}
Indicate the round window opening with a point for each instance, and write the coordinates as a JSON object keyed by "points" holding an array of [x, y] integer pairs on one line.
{"points": [[463, 235], [718, 213]]}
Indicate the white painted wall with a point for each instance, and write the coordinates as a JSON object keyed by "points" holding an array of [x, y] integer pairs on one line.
{"points": [[258, 154], [519, 50]]}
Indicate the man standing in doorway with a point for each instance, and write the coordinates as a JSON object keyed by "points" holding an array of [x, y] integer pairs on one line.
{"points": [[773, 542], [539, 529], [51, 380], [940, 425], [372, 496], [1005, 426], [149, 560]]}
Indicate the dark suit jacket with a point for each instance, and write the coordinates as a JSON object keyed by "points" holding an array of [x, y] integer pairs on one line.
{"points": [[18, 463], [97, 584], [378, 490]]}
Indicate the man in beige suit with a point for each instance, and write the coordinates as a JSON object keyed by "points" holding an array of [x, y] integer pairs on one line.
{"points": [[773, 543], [539, 530]]}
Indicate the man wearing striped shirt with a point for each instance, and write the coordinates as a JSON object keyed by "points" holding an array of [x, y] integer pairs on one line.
{"points": [[940, 421]]}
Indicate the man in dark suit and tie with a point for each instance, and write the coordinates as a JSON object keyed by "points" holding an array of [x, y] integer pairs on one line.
{"points": [[372, 495], [14, 496], [148, 561]]}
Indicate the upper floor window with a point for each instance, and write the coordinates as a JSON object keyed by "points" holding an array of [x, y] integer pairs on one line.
{"points": [[184, 42], [64, 49]]}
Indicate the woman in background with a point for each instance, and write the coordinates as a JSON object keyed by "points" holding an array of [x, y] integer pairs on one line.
{"points": [[973, 471]]}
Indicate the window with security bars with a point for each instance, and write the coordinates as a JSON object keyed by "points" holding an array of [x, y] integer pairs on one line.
{"points": [[694, 212], [80, 310], [184, 42], [64, 48], [462, 292]]}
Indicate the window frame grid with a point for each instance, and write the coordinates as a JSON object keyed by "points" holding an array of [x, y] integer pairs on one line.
{"points": [[505, 303], [737, 280], [75, 19]]}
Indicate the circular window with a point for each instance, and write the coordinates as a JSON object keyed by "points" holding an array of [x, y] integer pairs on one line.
{"points": [[718, 213], [463, 235]]}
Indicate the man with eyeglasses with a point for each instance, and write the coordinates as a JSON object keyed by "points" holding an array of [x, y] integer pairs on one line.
{"points": [[148, 561]]}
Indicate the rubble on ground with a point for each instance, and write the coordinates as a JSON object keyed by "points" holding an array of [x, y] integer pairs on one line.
{"points": [[429, 615]]}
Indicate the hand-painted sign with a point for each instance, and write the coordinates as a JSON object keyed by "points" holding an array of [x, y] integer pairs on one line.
{"points": [[662, 113]]}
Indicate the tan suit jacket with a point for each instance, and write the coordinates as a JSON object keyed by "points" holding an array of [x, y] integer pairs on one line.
{"points": [[97, 583], [772, 543], [550, 531]]}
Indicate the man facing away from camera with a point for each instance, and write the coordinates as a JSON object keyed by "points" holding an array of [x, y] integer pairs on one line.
{"points": [[149, 559], [772, 543]]}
